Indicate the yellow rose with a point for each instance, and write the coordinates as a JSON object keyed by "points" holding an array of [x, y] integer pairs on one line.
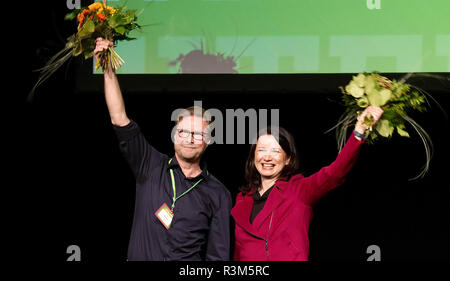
{"points": [[95, 6], [354, 90], [362, 102], [369, 85], [111, 10], [360, 80], [385, 95]]}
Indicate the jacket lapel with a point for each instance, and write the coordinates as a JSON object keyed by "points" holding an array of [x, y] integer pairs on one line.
{"points": [[243, 208], [241, 213], [276, 197]]}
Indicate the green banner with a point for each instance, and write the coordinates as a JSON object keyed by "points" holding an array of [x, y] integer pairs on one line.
{"points": [[288, 36]]}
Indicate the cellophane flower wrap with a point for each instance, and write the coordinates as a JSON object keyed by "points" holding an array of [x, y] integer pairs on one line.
{"points": [[96, 20], [397, 99]]}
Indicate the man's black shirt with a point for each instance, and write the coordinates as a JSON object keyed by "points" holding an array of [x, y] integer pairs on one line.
{"points": [[200, 226]]}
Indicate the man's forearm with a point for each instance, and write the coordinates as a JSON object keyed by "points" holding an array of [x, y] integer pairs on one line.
{"points": [[114, 100]]}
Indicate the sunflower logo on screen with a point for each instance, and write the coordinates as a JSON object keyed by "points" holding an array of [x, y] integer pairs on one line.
{"points": [[200, 61]]}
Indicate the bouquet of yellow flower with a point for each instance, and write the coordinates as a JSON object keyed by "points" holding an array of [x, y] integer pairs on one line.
{"points": [[396, 98], [97, 20]]}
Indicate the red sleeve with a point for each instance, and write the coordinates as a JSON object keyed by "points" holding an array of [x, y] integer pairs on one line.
{"points": [[312, 188]]}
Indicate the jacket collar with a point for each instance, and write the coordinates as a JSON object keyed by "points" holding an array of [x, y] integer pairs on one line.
{"points": [[243, 208], [282, 182], [276, 197], [241, 212]]}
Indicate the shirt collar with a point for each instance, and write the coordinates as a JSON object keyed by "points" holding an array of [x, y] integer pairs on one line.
{"points": [[265, 195], [175, 165]]}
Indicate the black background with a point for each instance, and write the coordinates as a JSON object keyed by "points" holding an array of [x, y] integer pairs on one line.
{"points": [[77, 188]]}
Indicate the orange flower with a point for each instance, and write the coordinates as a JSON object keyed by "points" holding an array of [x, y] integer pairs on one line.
{"points": [[81, 16], [101, 17]]}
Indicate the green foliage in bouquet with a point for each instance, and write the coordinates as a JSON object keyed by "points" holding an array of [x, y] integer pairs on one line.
{"points": [[96, 20], [396, 98]]}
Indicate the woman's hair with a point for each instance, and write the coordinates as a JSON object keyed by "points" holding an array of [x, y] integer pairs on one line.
{"points": [[286, 141]]}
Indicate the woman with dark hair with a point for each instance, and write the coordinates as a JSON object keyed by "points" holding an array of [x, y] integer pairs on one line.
{"points": [[274, 208]]}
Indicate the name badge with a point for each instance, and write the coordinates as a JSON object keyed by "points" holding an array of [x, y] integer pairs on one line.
{"points": [[165, 215]]}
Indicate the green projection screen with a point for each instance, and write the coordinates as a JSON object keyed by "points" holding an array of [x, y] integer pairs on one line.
{"points": [[288, 36]]}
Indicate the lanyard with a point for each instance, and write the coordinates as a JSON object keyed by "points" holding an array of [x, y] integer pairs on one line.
{"points": [[175, 198]]}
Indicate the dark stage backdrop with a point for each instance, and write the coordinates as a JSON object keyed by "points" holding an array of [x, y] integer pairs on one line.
{"points": [[78, 190]]}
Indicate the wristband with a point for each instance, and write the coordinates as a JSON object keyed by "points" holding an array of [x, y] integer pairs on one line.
{"points": [[358, 134]]}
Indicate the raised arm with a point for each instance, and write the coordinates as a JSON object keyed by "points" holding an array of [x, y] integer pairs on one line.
{"points": [[113, 95], [140, 155], [315, 186]]}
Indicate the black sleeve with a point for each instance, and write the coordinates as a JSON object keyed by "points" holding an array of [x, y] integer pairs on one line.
{"points": [[140, 155]]}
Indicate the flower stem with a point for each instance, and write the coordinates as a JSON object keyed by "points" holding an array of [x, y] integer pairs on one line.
{"points": [[109, 59]]}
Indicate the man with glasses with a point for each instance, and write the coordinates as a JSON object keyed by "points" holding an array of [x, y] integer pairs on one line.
{"points": [[182, 211]]}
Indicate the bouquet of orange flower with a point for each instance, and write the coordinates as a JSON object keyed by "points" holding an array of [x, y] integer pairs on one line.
{"points": [[97, 20]]}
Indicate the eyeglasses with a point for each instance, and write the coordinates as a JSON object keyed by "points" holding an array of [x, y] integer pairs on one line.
{"points": [[185, 133], [264, 151]]}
